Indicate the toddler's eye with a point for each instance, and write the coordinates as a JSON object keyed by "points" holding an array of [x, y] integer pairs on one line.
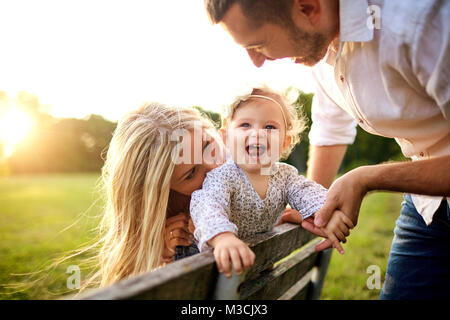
{"points": [[245, 125], [270, 127]]}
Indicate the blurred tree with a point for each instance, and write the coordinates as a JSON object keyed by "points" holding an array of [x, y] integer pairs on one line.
{"points": [[64, 145], [73, 145], [213, 116]]}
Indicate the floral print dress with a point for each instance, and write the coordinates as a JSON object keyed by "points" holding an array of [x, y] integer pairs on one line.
{"points": [[228, 201]]}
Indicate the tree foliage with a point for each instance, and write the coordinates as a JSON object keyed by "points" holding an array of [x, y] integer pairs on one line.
{"points": [[77, 145]]}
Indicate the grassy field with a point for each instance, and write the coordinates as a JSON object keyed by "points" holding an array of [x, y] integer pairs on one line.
{"points": [[36, 211]]}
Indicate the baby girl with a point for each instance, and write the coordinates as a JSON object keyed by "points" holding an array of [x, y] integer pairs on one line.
{"points": [[250, 191]]}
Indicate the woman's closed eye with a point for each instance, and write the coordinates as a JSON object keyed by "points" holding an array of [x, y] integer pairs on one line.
{"points": [[191, 173]]}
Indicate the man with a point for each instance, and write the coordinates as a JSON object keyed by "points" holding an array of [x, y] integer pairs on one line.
{"points": [[384, 65]]}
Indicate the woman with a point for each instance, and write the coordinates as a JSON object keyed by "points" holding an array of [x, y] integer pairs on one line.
{"points": [[148, 188], [157, 157]]}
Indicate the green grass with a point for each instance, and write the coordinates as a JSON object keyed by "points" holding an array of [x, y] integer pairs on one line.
{"points": [[368, 244], [35, 210]]}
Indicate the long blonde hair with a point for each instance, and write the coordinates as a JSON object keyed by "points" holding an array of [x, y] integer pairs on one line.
{"points": [[136, 176]]}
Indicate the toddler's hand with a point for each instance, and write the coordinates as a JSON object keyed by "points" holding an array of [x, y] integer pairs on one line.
{"points": [[229, 247], [337, 229], [290, 215]]}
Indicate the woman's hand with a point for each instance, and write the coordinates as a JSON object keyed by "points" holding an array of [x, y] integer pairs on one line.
{"points": [[177, 233]]}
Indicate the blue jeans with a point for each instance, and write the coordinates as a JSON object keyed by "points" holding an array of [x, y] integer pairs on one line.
{"points": [[183, 252], [419, 261]]}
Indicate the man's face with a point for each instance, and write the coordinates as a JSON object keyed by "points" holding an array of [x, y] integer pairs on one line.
{"points": [[271, 41]]}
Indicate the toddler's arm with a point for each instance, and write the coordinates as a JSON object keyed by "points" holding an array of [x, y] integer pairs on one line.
{"points": [[210, 208], [305, 196]]}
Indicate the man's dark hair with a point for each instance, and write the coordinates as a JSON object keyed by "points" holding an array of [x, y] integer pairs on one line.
{"points": [[258, 11]]}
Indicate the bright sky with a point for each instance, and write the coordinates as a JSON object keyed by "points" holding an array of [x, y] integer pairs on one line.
{"points": [[108, 56]]}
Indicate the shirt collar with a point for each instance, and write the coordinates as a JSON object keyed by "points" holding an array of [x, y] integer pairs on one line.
{"points": [[354, 18]]}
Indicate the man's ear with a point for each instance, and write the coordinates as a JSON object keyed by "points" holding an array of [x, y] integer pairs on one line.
{"points": [[306, 10]]}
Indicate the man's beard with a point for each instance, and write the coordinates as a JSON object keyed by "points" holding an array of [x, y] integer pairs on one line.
{"points": [[311, 47]]}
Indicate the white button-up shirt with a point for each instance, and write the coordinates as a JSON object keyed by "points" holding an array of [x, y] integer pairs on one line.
{"points": [[389, 73]]}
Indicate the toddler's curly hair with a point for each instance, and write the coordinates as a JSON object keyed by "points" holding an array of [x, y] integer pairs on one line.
{"points": [[295, 119]]}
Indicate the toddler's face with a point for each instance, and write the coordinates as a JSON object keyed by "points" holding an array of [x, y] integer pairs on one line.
{"points": [[256, 136]]}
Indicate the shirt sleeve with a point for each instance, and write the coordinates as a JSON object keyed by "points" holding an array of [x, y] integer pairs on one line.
{"points": [[331, 125], [210, 208], [303, 195], [431, 55]]}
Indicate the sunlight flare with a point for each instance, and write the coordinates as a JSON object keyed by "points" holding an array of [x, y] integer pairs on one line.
{"points": [[14, 127]]}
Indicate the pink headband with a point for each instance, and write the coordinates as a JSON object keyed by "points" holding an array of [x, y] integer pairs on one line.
{"points": [[270, 99]]}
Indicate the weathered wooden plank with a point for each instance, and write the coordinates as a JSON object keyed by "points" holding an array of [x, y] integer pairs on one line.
{"points": [[269, 248], [303, 293], [272, 284], [189, 278], [299, 289], [195, 277], [276, 244], [319, 273]]}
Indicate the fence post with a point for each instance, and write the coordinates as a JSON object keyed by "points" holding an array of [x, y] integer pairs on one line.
{"points": [[318, 276], [227, 288]]}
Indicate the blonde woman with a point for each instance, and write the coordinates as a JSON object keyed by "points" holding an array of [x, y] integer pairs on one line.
{"points": [[148, 188]]}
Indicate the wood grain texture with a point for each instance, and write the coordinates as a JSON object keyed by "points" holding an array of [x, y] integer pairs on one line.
{"points": [[274, 283], [196, 277], [191, 278]]}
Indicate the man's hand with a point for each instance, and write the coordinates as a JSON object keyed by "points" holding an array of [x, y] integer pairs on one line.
{"points": [[228, 247], [346, 195]]}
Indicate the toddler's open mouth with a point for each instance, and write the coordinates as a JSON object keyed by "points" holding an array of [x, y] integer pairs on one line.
{"points": [[256, 150]]}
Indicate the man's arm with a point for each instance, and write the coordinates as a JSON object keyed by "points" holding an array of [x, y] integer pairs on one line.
{"points": [[427, 177], [324, 163]]}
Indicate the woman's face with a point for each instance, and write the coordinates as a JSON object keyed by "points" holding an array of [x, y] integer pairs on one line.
{"points": [[188, 175]]}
